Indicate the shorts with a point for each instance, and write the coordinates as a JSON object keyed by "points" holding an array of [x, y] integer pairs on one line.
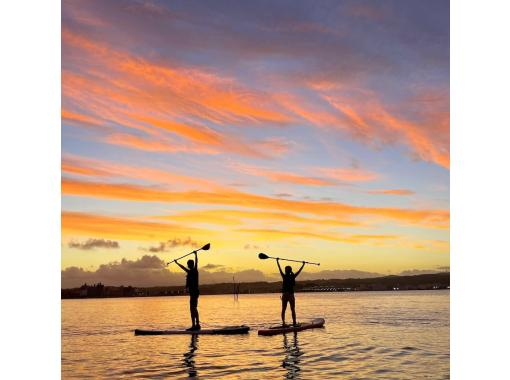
{"points": [[288, 297], [193, 300]]}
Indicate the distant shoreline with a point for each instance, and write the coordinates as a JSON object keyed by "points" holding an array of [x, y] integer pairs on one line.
{"points": [[434, 281]]}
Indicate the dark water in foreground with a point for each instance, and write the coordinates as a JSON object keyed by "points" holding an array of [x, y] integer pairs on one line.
{"points": [[368, 335]]}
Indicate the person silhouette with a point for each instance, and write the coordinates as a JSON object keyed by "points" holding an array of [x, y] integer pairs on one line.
{"points": [[192, 287], [289, 281]]}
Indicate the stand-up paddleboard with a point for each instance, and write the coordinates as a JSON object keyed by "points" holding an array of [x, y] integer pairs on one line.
{"points": [[228, 330], [317, 322]]}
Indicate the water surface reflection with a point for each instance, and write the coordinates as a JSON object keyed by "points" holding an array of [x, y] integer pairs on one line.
{"points": [[292, 354], [189, 357]]}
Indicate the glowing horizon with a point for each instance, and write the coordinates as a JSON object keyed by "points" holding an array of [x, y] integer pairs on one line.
{"points": [[314, 133]]}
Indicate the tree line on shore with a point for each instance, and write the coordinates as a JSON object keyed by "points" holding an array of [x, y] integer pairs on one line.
{"points": [[418, 282]]}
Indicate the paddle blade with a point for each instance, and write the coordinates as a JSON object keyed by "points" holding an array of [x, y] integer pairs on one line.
{"points": [[206, 247], [263, 256]]}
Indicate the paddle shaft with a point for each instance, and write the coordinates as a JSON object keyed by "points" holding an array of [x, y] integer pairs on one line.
{"points": [[296, 261], [187, 254]]}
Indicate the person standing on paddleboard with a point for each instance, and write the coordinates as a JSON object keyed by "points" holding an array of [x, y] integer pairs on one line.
{"points": [[289, 281], [192, 287]]}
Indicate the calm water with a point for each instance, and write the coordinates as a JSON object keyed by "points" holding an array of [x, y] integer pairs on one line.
{"points": [[400, 335]]}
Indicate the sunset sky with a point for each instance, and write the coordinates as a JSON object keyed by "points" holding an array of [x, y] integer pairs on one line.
{"points": [[315, 130]]}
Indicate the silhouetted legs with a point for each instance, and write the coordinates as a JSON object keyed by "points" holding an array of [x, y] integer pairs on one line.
{"points": [[284, 308], [288, 297], [292, 302], [195, 320], [193, 308]]}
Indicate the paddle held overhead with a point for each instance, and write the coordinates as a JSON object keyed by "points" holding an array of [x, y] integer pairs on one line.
{"points": [[263, 256], [204, 248]]}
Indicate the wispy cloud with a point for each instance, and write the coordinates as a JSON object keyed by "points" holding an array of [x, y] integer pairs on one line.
{"points": [[237, 217], [212, 266], [370, 120], [283, 177], [402, 192], [80, 224], [349, 174], [179, 100], [212, 96], [94, 243], [91, 167], [425, 218], [158, 96], [366, 119], [165, 246], [344, 238], [319, 176]]}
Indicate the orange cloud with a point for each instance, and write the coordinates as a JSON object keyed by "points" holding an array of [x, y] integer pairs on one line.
{"points": [[256, 149], [285, 177], [425, 218], [158, 94], [150, 97], [194, 133], [349, 174], [80, 119], [307, 111], [72, 168], [84, 224], [175, 89], [392, 192], [150, 144], [92, 92], [236, 217], [369, 118], [93, 167], [166, 96], [352, 239], [334, 176]]}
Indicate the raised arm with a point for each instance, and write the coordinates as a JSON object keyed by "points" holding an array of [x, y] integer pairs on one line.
{"points": [[300, 269], [182, 266], [196, 260], [279, 267]]}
